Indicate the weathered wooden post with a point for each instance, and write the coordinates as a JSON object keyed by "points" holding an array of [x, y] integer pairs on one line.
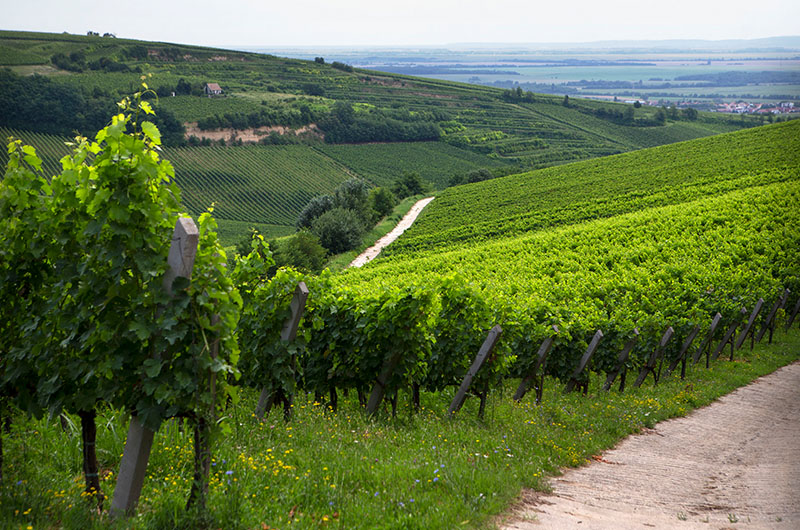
{"points": [[749, 326], [288, 334], [133, 466], [622, 358], [728, 337], [483, 354], [781, 304], [768, 321], [654, 357], [583, 362], [682, 355], [379, 389], [706, 344], [791, 318], [541, 358]]}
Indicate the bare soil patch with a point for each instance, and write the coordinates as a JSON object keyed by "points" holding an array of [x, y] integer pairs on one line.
{"points": [[251, 135], [732, 464]]}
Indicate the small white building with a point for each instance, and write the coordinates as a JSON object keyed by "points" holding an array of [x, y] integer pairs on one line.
{"points": [[212, 89]]}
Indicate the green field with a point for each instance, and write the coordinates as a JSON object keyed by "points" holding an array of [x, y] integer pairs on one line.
{"points": [[665, 235]]}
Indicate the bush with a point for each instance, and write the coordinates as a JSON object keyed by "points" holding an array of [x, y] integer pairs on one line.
{"points": [[315, 208], [339, 230], [302, 251], [407, 185], [381, 201]]}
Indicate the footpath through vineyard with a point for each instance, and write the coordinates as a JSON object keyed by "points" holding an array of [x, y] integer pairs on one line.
{"points": [[407, 220], [735, 461]]}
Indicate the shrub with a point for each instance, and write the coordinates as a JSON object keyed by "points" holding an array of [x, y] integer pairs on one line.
{"points": [[339, 230]]}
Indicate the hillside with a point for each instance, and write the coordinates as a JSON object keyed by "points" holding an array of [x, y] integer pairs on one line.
{"points": [[573, 193], [342, 121], [710, 225]]}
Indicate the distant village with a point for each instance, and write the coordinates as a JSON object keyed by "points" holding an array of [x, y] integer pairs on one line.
{"points": [[738, 107]]}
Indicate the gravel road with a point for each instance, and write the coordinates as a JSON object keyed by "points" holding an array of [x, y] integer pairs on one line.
{"points": [[407, 220], [732, 464]]}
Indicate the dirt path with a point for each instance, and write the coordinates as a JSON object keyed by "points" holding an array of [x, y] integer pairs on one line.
{"points": [[407, 220], [733, 464]]}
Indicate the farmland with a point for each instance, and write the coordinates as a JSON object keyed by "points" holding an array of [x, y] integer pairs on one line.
{"points": [[113, 319], [354, 122], [395, 326], [266, 186], [605, 187]]}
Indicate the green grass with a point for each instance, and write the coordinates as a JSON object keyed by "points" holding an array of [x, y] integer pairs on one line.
{"points": [[232, 232], [344, 470]]}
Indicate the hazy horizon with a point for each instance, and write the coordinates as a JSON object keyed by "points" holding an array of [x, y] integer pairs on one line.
{"points": [[411, 23]]}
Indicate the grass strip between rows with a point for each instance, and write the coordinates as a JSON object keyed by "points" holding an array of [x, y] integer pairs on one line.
{"points": [[346, 471]]}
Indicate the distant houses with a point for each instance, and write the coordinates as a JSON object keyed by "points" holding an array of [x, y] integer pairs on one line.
{"points": [[212, 89]]}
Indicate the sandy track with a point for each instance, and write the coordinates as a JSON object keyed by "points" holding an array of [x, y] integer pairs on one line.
{"points": [[732, 464], [407, 220]]}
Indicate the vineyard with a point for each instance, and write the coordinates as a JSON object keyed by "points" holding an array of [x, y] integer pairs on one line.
{"points": [[525, 130], [266, 187], [265, 400], [249, 186], [172, 334], [383, 164], [672, 174]]}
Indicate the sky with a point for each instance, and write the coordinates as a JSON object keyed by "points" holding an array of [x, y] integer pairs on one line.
{"points": [[405, 23]]}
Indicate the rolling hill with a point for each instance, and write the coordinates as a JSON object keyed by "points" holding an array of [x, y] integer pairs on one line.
{"points": [[340, 121]]}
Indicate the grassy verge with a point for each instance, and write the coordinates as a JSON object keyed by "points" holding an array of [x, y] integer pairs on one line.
{"points": [[346, 471], [340, 262]]}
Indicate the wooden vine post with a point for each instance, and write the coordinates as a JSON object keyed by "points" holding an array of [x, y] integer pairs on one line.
{"points": [[728, 337], [480, 359], [706, 344], [289, 332], [791, 318], [622, 358], [681, 358], [657, 354], [769, 323], [139, 442], [748, 328], [379, 389], [587, 356], [541, 358]]}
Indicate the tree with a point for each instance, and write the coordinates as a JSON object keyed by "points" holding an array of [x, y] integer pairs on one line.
{"points": [[407, 185], [183, 87], [689, 113], [302, 251], [353, 194], [628, 116], [339, 230], [637, 104], [381, 201], [315, 208]]}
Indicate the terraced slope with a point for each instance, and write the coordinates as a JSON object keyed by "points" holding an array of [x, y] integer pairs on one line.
{"points": [[524, 130]]}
